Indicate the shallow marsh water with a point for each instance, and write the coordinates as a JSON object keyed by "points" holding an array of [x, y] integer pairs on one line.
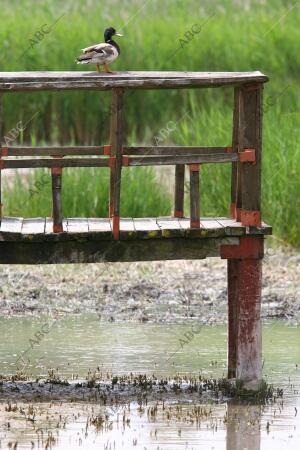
{"points": [[79, 343]]}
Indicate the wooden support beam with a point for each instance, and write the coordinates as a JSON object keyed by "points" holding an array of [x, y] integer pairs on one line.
{"points": [[56, 151], [194, 196], [79, 250], [244, 300], [173, 150], [1, 128], [236, 193], [233, 286], [179, 191], [56, 200], [116, 141], [249, 333], [170, 160], [251, 137], [48, 163]]}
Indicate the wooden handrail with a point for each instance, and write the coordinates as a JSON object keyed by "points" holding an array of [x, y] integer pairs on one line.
{"points": [[99, 151], [42, 81]]}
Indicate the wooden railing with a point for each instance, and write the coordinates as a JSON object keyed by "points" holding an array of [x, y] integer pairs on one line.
{"points": [[244, 153]]}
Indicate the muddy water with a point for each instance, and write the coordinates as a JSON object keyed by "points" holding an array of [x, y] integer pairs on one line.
{"points": [[76, 344]]}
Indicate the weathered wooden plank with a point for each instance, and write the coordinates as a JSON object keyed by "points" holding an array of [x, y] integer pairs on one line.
{"points": [[208, 228], [71, 162], [264, 229], [147, 228], [167, 160], [232, 227], [99, 229], [55, 151], [30, 81], [79, 251], [179, 191], [127, 229], [33, 226], [77, 225], [174, 150], [170, 227], [116, 142], [11, 224]]}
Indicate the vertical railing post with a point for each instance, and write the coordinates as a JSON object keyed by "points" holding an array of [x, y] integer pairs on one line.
{"points": [[179, 191], [251, 138], [236, 193], [56, 174], [116, 142], [1, 126], [195, 195]]}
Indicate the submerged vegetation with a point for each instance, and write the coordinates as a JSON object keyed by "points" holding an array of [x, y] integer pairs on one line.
{"points": [[227, 36], [109, 388]]}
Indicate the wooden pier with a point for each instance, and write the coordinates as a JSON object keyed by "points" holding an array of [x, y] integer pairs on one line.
{"points": [[238, 238]]}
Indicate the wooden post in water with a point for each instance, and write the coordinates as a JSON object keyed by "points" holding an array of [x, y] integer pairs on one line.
{"points": [[244, 261], [249, 345], [244, 301], [233, 286]]}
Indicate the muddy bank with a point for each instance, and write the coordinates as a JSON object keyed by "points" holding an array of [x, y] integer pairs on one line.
{"points": [[118, 390], [171, 291]]}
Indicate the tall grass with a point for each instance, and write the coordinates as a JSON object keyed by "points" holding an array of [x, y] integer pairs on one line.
{"points": [[237, 35], [85, 194]]}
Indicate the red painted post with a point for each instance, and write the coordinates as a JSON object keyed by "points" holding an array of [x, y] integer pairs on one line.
{"points": [[244, 301], [249, 358], [233, 275]]}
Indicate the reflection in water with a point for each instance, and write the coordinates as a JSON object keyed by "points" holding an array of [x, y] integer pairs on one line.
{"points": [[163, 426], [243, 427]]}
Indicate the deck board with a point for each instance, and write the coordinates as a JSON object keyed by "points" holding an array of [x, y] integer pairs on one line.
{"points": [[33, 226], [147, 228], [99, 226], [127, 229], [11, 224], [77, 225], [170, 227], [16, 228]]}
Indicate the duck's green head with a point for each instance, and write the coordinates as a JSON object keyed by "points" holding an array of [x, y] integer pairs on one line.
{"points": [[109, 33]]}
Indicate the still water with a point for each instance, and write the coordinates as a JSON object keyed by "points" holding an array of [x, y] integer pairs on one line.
{"points": [[76, 344]]}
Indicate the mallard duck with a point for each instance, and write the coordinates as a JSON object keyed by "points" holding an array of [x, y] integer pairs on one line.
{"points": [[102, 54]]}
